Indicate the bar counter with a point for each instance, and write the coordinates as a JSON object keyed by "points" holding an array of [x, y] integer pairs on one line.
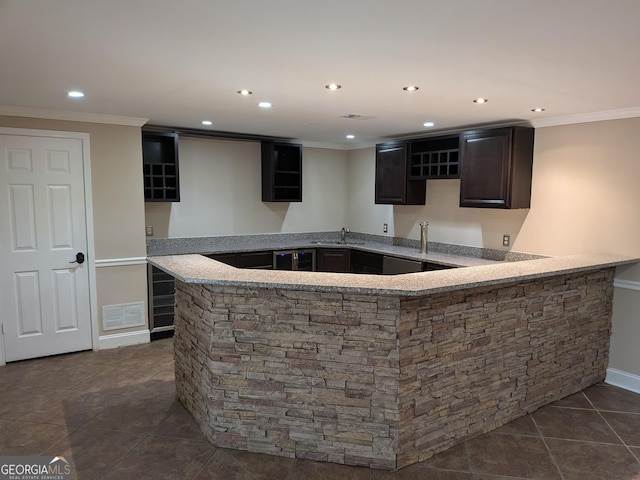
{"points": [[383, 371]]}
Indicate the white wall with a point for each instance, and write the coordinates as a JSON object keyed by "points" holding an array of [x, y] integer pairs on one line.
{"points": [[220, 189], [364, 215]]}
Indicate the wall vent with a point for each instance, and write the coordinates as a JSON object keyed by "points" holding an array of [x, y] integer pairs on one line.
{"points": [[353, 116], [123, 316]]}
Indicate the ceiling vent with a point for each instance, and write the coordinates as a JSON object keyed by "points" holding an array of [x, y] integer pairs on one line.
{"points": [[353, 116]]}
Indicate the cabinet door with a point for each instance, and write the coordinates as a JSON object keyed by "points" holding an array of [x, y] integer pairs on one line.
{"points": [[333, 260], [281, 172], [495, 168], [262, 260], [366, 262], [392, 183], [232, 259]]}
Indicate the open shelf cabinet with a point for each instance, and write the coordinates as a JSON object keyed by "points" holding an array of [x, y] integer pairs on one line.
{"points": [[160, 167]]}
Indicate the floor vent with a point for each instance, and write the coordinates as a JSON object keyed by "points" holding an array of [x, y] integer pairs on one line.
{"points": [[123, 316]]}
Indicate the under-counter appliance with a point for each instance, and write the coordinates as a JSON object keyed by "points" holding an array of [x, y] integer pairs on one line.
{"points": [[161, 287], [295, 260]]}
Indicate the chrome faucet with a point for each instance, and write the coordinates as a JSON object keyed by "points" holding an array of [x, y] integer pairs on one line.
{"points": [[343, 235], [423, 236]]}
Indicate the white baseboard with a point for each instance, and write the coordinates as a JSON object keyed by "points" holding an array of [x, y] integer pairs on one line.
{"points": [[621, 379], [126, 339]]}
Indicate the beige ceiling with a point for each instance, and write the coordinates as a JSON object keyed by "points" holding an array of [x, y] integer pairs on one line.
{"points": [[182, 61]]}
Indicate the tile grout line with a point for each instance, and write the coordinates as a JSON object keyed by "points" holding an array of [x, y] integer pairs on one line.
{"points": [[551, 455], [616, 433], [206, 462], [126, 454], [468, 454], [499, 477]]}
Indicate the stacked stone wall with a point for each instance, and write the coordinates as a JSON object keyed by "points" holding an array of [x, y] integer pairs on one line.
{"points": [[383, 381], [298, 374], [473, 360]]}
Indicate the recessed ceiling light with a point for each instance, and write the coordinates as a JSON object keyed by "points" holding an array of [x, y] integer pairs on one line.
{"points": [[333, 86], [351, 137], [207, 122], [410, 88], [429, 124], [245, 92], [264, 105], [75, 94], [481, 100], [537, 110]]}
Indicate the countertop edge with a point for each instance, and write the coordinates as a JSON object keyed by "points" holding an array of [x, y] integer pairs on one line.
{"points": [[197, 269]]}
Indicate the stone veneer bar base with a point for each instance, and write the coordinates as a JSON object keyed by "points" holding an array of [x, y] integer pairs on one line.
{"points": [[383, 381]]}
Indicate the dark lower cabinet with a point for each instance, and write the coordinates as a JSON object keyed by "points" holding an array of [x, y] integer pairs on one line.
{"points": [[496, 167], [336, 260], [228, 258], [263, 259], [430, 267], [366, 262], [392, 184]]}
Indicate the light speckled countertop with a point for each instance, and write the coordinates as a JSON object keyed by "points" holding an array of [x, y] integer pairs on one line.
{"points": [[192, 268], [445, 254]]}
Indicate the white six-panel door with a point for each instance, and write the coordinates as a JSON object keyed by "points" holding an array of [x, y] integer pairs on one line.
{"points": [[44, 297]]}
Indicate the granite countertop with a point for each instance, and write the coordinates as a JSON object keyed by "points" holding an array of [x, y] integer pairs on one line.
{"points": [[193, 268], [444, 254]]}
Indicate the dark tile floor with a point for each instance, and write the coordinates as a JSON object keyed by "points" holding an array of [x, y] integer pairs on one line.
{"points": [[114, 413]]}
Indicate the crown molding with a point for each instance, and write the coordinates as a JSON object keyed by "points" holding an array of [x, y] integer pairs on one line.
{"points": [[14, 111], [605, 115]]}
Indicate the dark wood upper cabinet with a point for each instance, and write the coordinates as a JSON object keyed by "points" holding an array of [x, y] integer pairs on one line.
{"points": [[281, 172], [160, 167], [392, 177], [434, 158], [495, 167]]}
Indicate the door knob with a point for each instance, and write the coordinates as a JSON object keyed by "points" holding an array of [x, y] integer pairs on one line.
{"points": [[79, 258]]}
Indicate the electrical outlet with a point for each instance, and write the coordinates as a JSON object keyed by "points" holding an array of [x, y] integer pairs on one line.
{"points": [[385, 228], [506, 240], [149, 230]]}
